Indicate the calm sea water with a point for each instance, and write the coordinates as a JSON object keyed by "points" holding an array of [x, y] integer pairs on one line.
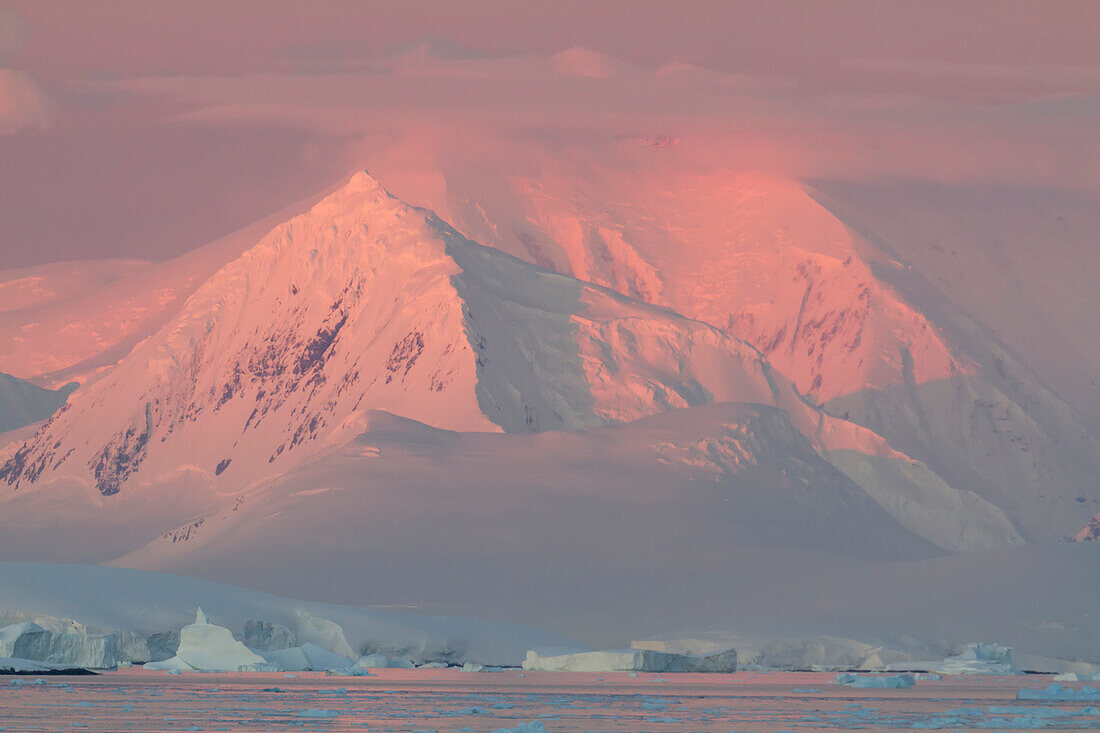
{"points": [[450, 700]]}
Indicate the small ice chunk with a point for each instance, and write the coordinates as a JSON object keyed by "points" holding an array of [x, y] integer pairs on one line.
{"points": [[317, 713], [533, 727]]}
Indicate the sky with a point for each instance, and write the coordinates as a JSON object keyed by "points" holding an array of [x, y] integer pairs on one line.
{"points": [[145, 129]]}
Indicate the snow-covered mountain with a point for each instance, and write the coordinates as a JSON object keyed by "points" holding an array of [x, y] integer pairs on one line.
{"points": [[362, 388], [833, 307], [364, 303], [70, 321]]}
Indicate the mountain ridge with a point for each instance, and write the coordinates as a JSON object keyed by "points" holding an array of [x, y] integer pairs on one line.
{"points": [[366, 303]]}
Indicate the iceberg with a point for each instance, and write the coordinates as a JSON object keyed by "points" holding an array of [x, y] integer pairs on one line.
{"points": [[629, 660], [894, 682], [24, 666], [323, 633], [162, 645], [28, 640], [209, 648], [267, 636], [991, 659], [11, 633], [381, 661], [980, 659], [819, 653], [305, 658]]}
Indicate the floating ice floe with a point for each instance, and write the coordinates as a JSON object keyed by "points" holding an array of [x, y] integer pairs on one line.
{"points": [[209, 648], [23, 682], [1057, 692], [533, 727], [317, 713], [629, 660], [894, 682]]}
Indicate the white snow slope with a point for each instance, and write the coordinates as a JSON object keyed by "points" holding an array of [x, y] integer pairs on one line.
{"points": [[834, 303], [718, 516]]}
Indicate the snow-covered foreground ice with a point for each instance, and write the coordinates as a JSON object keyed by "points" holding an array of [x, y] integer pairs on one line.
{"points": [[524, 702]]}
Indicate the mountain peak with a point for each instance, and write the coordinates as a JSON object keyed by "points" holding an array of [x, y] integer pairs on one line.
{"points": [[366, 303], [360, 189], [362, 181]]}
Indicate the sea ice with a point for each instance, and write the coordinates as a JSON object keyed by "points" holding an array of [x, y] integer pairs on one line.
{"points": [[533, 727], [1058, 693], [317, 713]]}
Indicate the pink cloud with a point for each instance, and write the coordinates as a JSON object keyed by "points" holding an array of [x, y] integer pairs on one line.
{"points": [[739, 121], [22, 103]]}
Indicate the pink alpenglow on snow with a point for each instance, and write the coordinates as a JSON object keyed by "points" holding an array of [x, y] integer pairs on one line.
{"points": [[743, 334]]}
